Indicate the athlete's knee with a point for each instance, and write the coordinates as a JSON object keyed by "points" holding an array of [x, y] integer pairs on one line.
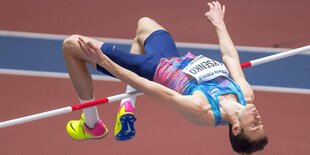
{"points": [[145, 21], [69, 44], [145, 24]]}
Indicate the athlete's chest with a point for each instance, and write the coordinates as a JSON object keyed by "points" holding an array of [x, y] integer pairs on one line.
{"points": [[205, 69]]}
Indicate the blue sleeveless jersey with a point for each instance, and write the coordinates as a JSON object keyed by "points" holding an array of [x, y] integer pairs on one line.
{"points": [[169, 73], [217, 87]]}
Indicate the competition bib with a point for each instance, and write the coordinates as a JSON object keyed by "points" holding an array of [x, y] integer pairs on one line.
{"points": [[205, 69]]}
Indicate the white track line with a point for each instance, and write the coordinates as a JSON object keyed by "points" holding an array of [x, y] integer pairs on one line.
{"points": [[51, 74], [129, 41], [107, 78], [281, 89]]}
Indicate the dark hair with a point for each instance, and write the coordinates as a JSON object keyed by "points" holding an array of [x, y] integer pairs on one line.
{"points": [[241, 144]]}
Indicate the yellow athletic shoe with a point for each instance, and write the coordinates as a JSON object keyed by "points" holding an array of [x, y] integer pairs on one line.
{"points": [[124, 126], [78, 130]]}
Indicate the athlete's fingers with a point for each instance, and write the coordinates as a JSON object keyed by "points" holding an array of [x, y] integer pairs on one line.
{"points": [[83, 47], [82, 41], [90, 50], [218, 4], [87, 48], [93, 47], [85, 44], [210, 5], [215, 4]]}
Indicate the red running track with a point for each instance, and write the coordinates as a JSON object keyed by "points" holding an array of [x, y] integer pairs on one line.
{"points": [[160, 130], [282, 23]]}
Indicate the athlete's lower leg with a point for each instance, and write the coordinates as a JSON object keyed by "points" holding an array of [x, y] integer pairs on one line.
{"points": [[76, 63], [136, 48]]}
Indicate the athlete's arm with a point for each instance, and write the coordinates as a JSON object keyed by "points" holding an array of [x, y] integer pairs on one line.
{"points": [[229, 53], [188, 106]]}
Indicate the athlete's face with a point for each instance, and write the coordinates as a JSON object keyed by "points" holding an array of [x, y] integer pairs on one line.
{"points": [[251, 122]]}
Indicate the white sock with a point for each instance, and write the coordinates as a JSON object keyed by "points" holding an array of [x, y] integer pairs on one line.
{"points": [[91, 114], [132, 100]]}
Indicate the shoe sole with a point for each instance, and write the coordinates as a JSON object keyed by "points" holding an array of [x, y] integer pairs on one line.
{"points": [[128, 129]]}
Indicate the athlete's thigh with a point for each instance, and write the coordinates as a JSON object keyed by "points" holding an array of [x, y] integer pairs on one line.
{"points": [[161, 42], [125, 59], [155, 39]]}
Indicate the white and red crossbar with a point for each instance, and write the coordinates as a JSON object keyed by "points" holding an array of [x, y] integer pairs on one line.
{"points": [[275, 57], [118, 97], [68, 109]]}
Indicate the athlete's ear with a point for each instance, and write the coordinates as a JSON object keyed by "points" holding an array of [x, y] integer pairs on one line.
{"points": [[236, 129]]}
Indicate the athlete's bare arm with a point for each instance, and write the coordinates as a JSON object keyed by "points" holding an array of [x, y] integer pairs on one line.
{"points": [[229, 53]]}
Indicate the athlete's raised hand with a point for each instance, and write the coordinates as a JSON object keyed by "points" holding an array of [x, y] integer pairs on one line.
{"points": [[216, 13]]}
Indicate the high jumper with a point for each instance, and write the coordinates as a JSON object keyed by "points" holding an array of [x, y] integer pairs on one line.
{"points": [[204, 91]]}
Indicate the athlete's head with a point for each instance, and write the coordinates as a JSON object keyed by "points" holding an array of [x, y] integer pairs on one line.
{"points": [[247, 135]]}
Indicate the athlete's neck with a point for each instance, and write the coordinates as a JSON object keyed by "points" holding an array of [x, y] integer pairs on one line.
{"points": [[229, 108]]}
